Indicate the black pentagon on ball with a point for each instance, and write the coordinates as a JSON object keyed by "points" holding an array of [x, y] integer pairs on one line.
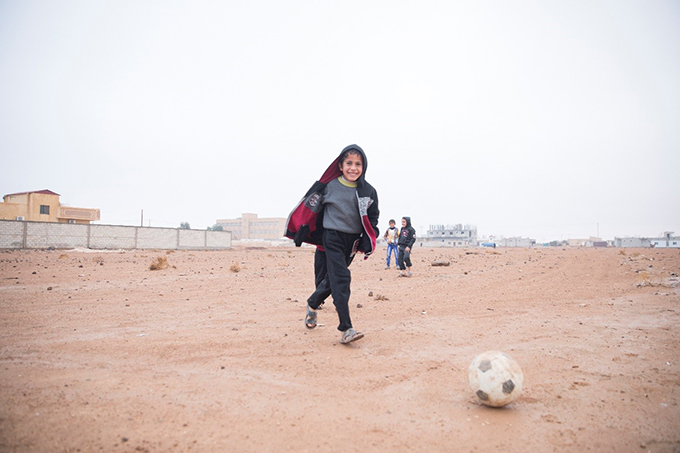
{"points": [[508, 386], [482, 396], [484, 366]]}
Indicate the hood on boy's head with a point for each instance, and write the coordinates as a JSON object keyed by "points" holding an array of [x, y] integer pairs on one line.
{"points": [[334, 171], [408, 221]]}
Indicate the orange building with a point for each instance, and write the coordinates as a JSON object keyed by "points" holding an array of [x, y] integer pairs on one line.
{"points": [[43, 206]]}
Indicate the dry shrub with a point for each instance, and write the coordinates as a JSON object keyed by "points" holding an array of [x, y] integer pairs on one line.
{"points": [[161, 262], [98, 259], [63, 255], [646, 279], [235, 268]]}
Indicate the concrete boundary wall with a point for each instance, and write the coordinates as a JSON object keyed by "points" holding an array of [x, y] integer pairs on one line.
{"points": [[41, 235]]}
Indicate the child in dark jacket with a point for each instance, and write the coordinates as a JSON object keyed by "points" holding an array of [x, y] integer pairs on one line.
{"points": [[407, 237], [340, 213]]}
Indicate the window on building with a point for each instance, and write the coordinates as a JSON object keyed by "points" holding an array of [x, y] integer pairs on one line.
{"points": [[44, 209]]}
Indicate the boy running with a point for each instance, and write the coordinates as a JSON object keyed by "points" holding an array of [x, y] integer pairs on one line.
{"points": [[340, 213]]}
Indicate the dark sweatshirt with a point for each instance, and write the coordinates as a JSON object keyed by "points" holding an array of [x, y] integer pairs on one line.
{"points": [[305, 223], [407, 235]]}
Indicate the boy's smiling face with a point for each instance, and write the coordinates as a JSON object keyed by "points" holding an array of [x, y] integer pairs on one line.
{"points": [[352, 167]]}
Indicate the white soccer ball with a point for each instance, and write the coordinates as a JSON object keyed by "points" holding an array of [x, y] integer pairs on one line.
{"points": [[495, 378]]}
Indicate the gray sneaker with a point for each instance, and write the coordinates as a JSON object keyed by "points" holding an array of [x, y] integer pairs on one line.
{"points": [[310, 318], [350, 335]]}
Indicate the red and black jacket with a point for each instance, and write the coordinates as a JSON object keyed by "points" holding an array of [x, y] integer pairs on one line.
{"points": [[305, 222]]}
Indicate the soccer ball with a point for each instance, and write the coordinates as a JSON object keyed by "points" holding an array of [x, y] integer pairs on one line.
{"points": [[495, 378]]}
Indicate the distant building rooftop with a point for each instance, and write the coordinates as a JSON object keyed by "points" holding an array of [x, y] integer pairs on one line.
{"points": [[43, 192]]}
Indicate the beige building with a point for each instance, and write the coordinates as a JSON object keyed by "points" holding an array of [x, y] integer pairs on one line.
{"points": [[249, 226], [43, 206], [583, 242]]}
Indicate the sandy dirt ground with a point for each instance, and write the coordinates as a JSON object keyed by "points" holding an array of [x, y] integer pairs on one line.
{"points": [[100, 353]]}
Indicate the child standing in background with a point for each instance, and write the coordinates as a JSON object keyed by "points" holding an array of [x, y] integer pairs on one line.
{"points": [[407, 237], [391, 236]]}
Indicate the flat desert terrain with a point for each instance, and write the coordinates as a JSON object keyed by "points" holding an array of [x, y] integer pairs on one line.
{"points": [[100, 353]]}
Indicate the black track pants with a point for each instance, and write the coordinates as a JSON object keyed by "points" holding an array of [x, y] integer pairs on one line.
{"points": [[339, 254], [404, 258]]}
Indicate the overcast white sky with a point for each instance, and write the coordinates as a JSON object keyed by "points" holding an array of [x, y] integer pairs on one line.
{"points": [[550, 120]]}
